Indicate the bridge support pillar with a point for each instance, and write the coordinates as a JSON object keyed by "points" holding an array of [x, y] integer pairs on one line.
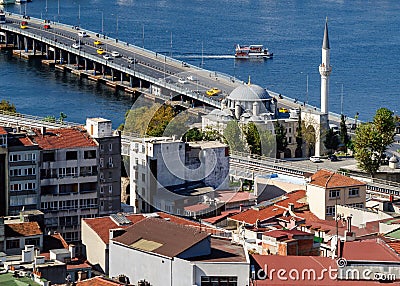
{"points": [[241, 183], [47, 52], [55, 55], [122, 77], [61, 57], [112, 74], [26, 44], [103, 71], [33, 47], [130, 81], [94, 68], [18, 43], [69, 58], [85, 64], [77, 62]]}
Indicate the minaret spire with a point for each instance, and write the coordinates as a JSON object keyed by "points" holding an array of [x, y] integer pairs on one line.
{"points": [[325, 70]]}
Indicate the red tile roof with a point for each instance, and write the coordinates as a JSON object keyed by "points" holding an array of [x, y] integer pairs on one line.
{"points": [[26, 141], [99, 281], [220, 217], [262, 214], [170, 239], [63, 138], [197, 207], [285, 234], [369, 250], [102, 225], [328, 179], [22, 229]]}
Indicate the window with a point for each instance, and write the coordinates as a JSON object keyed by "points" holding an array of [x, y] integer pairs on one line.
{"points": [[334, 194], [71, 155], [30, 157], [219, 281], [15, 158], [110, 147], [110, 189], [290, 140], [49, 156], [101, 147], [30, 172], [32, 241], [13, 243], [101, 190], [356, 205], [30, 186], [15, 172], [89, 154], [143, 177], [16, 187], [354, 192], [330, 211], [101, 162]]}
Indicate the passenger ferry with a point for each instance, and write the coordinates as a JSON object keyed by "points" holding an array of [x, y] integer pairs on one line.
{"points": [[5, 2], [252, 51]]}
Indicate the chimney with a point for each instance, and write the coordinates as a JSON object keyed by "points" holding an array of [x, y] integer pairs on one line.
{"points": [[43, 130], [72, 250], [391, 198], [291, 208], [241, 208]]}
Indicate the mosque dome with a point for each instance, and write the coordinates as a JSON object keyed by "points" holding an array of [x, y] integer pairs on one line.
{"points": [[249, 92]]}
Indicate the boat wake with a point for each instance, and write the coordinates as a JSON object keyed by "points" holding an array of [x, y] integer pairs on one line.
{"points": [[205, 56]]}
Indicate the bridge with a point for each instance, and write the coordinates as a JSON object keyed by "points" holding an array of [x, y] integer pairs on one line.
{"points": [[68, 48]]}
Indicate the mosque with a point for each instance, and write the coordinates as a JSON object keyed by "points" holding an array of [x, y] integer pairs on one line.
{"points": [[252, 103]]}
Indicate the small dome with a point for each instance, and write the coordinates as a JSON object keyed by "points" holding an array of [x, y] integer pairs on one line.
{"points": [[393, 159], [249, 92]]}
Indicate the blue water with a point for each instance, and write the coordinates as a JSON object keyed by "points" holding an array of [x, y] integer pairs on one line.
{"points": [[364, 39]]}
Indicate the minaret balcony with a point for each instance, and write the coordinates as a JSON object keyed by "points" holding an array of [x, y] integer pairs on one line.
{"points": [[325, 71]]}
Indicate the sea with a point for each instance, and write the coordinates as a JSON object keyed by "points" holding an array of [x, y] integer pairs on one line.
{"points": [[364, 39]]}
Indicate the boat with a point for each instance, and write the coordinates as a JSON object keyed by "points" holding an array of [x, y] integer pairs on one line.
{"points": [[252, 51], [6, 2], [20, 1], [2, 17]]}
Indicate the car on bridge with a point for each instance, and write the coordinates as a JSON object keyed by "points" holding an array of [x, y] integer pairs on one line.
{"points": [[76, 45], [24, 25], [132, 60], [115, 54], [97, 43], [213, 91], [100, 51], [283, 110], [82, 34], [46, 26], [107, 57], [181, 80]]}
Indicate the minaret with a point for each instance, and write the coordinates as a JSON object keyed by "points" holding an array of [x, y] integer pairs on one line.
{"points": [[325, 70]]}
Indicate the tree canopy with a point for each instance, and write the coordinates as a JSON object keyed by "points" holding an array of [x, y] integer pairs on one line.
{"points": [[372, 140], [281, 140], [7, 106], [331, 141], [233, 136]]}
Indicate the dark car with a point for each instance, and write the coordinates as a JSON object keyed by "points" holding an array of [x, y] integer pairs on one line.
{"points": [[333, 158]]}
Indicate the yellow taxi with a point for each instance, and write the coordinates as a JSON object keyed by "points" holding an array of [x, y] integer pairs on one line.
{"points": [[213, 91], [97, 43], [100, 51], [283, 110], [23, 26]]}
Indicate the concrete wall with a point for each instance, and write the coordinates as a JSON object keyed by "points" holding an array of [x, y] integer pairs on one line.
{"points": [[140, 265], [234, 269], [95, 247], [361, 216], [316, 201]]}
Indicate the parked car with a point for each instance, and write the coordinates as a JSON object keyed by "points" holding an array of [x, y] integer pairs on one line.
{"points": [[333, 158], [315, 159]]}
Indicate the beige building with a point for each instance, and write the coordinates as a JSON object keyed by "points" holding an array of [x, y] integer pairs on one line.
{"points": [[327, 189]]}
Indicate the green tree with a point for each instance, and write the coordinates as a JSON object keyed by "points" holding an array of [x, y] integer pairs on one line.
{"points": [[331, 141], [210, 134], [7, 106], [253, 138], [160, 120], [372, 139], [62, 117], [50, 118], [193, 134], [281, 140], [233, 136], [267, 142]]}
